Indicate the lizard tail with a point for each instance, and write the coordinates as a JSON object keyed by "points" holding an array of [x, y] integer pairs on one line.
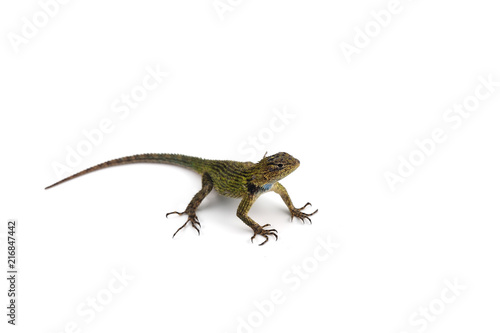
{"points": [[189, 162]]}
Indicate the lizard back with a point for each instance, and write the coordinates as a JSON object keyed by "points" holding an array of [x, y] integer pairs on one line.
{"points": [[230, 178]]}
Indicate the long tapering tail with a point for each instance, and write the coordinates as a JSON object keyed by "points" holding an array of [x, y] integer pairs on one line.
{"points": [[194, 163]]}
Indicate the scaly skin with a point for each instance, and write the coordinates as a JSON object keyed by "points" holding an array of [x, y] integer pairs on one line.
{"points": [[244, 180]]}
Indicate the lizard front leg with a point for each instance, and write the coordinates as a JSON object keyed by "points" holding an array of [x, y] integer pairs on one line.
{"points": [[295, 212], [207, 186], [242, 213]]}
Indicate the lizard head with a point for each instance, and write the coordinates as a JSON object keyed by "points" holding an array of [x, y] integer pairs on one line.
{"points": [[272, 168]]}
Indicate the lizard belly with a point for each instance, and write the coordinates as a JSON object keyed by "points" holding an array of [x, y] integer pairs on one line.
{"points": [[230, 191]]}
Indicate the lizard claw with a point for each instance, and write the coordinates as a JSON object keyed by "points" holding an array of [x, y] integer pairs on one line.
{"points": [[192, 218], [297, 212], [264, 233], [181, 213]]}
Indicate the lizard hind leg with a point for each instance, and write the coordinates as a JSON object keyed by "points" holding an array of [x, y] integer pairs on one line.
{"points": [[192, 218], [207, 186]]}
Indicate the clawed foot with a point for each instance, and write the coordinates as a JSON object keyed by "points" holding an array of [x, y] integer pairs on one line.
{"points": [[297, 212], [264, 233], [192, 218]]}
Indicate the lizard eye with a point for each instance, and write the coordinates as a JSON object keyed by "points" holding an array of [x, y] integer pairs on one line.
{"points": [[280, 165]]}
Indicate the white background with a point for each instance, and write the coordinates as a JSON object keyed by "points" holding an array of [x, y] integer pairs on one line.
{"points": [[228, 74]]}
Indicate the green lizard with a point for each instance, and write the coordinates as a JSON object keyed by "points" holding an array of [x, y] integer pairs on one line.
{"points": [[244, 180]]}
